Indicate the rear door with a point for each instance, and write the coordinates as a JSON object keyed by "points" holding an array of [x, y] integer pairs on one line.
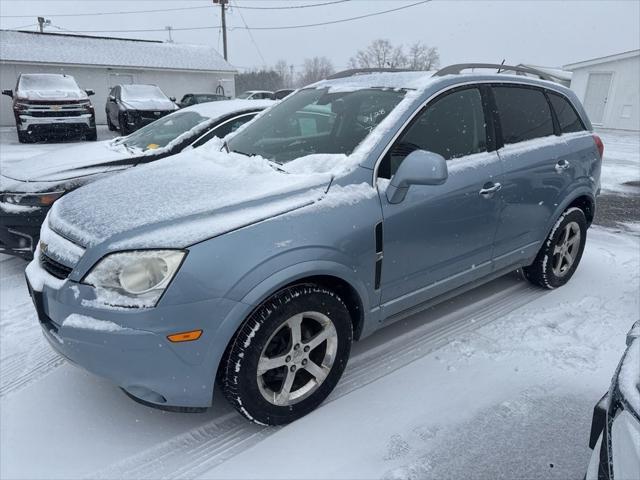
{"points": [[536, 173], [440, 237]]}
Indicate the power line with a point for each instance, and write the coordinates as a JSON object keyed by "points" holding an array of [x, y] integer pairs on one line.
{"points": [[285, 27], [128, 12], [251, 35]]}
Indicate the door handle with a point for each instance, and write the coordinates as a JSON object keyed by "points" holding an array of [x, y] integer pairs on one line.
{"points": [[562, 165], [490, 189]]}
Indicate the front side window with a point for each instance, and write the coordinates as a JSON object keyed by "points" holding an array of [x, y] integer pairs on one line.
{"points": [[452, 126], [225, 129], [568, 119], [316, 121], [524, 113]]}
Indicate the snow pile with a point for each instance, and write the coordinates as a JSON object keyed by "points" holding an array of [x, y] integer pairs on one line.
{"points": [[629, 376], [85, 322], [336, 164], [13, 208]]}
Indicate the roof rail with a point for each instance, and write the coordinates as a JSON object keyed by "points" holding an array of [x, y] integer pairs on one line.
{"points": [[364, 71], [457, 68]]}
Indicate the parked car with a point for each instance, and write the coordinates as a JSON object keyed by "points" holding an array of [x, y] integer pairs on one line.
{"points": [[280, 94], [130, 107], [28, 189], [256, 95], [352, 204], [51, 103], [615, 427], [195, 98]]}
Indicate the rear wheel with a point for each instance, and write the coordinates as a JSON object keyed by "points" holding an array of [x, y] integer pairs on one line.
{"points": [[561, 252], [288, 356]]}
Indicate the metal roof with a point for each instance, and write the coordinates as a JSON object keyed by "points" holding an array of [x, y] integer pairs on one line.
{"points": [[53, 48]]}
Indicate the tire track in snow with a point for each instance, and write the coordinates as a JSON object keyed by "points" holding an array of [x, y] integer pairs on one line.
{"points": [[192, 453], [23, 368]]}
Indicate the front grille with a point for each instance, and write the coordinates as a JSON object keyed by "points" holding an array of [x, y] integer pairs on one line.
{"points": [[58, 113], [54, 268]]}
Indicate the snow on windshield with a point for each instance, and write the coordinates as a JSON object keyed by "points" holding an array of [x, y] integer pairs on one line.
{"points": [[47, 82], [142, 92]]}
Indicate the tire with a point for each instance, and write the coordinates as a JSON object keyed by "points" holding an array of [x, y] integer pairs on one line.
{"points": [[92, 135], [25, 137], [266, 338], [561, 252], [110, 126]]}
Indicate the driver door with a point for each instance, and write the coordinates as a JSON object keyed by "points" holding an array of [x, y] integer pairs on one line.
{"points": [[441, 236]]}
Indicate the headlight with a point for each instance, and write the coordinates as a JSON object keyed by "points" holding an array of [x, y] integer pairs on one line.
{"points": [[134, 279], [43, 199]]}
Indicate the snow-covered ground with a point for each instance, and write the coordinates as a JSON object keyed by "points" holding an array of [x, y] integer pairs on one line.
{"points": [[621, 163], [499, 383]]}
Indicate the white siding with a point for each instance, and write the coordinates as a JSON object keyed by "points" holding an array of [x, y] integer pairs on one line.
{"points": [[622, 110], [172, 83]]}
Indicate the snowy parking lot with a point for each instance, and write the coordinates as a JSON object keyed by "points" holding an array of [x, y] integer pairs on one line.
{"points": [[499, 383]]}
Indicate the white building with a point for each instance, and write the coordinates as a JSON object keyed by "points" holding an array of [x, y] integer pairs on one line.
{"points": [[102, 62], [609, 88]]}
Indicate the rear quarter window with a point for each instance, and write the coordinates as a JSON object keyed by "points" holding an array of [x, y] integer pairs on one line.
{"points": [[568, 119], [524, 113]]}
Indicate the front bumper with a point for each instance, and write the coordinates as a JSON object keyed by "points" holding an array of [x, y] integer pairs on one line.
{"points": [[84, 121], [20, 231], [136, 355]]}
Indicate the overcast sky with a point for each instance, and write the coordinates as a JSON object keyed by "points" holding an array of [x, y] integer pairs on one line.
{"points": [[551, 33]]}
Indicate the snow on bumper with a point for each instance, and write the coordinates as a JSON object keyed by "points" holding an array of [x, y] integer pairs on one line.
{"points": [[130, 346]]}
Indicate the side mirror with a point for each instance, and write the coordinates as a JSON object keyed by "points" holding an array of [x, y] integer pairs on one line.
{"points": [[112, 98], [8, 93], [90, 91], [418, 168], [173, 99]]}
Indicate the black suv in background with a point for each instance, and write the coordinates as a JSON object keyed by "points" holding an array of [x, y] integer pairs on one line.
{"points": [[130, 107], [195, 98], [51, 103]]}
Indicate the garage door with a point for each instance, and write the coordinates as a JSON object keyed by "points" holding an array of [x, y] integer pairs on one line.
{"points": [[595, 99]]}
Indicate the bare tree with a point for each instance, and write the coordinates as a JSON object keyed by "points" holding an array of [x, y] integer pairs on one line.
{"points": [[382, 54], [379, 54], [283, 69], [315, 69], [422, 57]]}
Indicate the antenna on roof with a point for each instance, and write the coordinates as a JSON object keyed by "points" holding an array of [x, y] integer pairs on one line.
{"points": [[501, 64]]}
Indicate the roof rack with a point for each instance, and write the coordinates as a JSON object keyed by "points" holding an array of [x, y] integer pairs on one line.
{"points": [[364, 71], [457, 68]]}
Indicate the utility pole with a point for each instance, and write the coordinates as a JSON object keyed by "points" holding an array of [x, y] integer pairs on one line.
{"points": [[223, 8], [168, 28], [42, 22]]}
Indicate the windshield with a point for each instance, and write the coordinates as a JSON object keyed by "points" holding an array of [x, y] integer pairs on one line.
{"points": [[159, 133], [244, 95], [205, 97], [316, 121], [47, 82], [142, 92]]}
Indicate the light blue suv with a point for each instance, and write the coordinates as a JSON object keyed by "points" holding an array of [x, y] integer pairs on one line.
{"points": [[353, 203]]}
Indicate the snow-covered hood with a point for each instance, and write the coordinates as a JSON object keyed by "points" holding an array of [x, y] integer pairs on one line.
{"points": [[162, 104], [44, 95], [66, 163], [181, 200]]}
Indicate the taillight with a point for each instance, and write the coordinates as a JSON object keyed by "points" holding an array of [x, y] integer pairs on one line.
{"points": [[599, 145]]}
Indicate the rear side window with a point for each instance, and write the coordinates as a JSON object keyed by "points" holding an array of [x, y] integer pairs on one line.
{"points": [[452, 126], [225, 129], [524, 114], [567, 117]]}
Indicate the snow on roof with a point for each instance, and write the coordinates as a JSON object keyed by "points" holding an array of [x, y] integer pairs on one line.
{"points": [[409, 80], [56, 48], [598, 60], [225, 107]]}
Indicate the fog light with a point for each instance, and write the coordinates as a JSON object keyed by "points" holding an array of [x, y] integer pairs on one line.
{"points": [[185, 336]]}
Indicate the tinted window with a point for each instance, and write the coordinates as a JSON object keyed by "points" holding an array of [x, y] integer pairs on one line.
{"points": [[453, 126], [524, 113], [224, 129], [567, 116]]}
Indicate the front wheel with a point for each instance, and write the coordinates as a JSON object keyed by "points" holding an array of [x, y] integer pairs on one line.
{"points": [[288, 356], [561, 252]]}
